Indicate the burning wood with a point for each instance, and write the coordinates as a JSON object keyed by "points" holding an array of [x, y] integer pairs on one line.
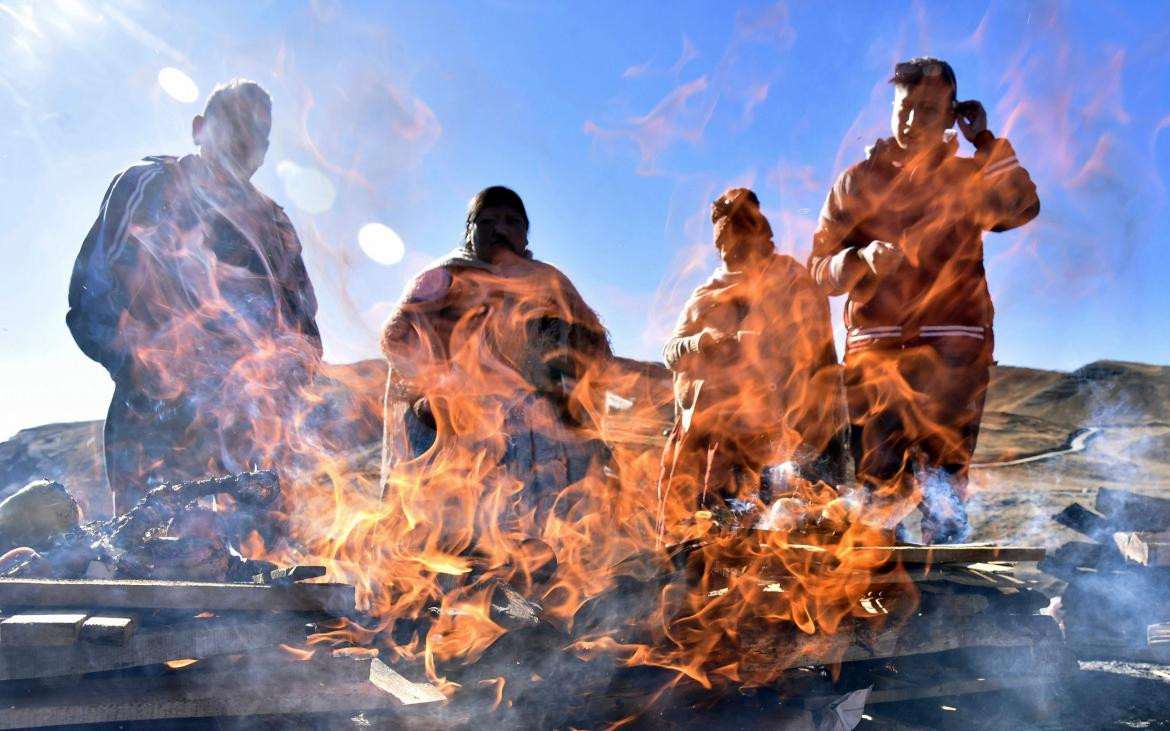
{"points": [[137, 543]]}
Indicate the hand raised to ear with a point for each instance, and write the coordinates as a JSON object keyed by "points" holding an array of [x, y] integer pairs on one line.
{"points": [[971, 117]]}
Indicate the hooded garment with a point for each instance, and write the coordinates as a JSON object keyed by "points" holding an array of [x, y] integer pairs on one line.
{"points": [[777, 399], [496, 364]]}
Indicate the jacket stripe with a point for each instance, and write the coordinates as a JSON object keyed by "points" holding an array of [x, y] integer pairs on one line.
{"points": [[132, 202]]}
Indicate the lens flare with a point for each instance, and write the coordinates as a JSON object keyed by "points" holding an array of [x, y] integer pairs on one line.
{"points": [[306, 187], [178, 85], [381, 243]]}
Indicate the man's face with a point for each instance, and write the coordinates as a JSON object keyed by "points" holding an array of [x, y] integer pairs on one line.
{"points": [[735, 244], [921, 114], [495, 229], [235, 137]]}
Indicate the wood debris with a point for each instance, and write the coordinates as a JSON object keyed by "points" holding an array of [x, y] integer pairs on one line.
{"points": [[70, 653], [1117, 599]]}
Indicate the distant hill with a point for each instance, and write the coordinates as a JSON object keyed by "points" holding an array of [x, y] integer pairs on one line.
{"points": [[1103, 393]]}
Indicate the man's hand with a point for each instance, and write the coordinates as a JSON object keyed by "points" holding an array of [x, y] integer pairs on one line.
{"points": [[718, 346], [882, 257], [972, 118]]}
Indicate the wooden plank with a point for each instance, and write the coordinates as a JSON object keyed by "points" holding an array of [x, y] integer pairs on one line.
{"points": [[956, 687], [289, 574], [944, 554], [1133, 512], [1090, 650], [40, 630], [1145, 549], [1082, 554], [182, 695], [197, 595], [108, 630], [403, 691], [921, 634], [1085, 521], [197, 638]]}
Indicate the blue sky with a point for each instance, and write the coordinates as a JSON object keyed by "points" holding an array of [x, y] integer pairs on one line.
{"points": [[617, 123]]}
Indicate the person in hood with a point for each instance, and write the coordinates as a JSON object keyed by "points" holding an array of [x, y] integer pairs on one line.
{"points": [[756, 380], [190, 290], [494, 364], [901, 234]]}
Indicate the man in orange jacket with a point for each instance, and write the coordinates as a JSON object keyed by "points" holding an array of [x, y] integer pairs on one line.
{"points": [[901, 234]]}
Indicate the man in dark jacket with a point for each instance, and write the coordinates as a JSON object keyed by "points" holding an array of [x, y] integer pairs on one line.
{"points": [[191, 291], [901, 234]]}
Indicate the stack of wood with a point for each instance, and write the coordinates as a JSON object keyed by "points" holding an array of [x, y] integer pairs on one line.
{"points": [[93, 651], [976, 629], [1117, 602], [940, 621]]}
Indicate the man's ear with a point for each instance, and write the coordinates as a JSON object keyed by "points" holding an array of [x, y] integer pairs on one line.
{"points": [[197, 129]]}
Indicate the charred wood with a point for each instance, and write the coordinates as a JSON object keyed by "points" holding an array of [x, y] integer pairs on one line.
{"points": [[191, 595], [258, 489], [1129, 511], [1085, 521], [289, 574]]}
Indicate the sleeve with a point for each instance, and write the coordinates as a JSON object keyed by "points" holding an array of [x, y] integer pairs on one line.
{"points": [[587, 333], [1008, 194], [834, 263], [410, 340], [687, 337], [814, 392], [100, 288], [298, 288]]}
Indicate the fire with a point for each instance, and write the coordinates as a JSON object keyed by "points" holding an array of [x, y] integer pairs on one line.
{"points": [[297, 653], [564, 519], [524, 480], [176, 664]]}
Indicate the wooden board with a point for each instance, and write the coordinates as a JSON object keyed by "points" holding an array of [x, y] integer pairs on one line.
{"points": [[197, 595], [40, 630], [955, 687], [1083, 520], [1130, 511], [921, 634], [198, 638], [1145, 549], [1083, 554], [181, 695], [108, 630], [934, 555]]}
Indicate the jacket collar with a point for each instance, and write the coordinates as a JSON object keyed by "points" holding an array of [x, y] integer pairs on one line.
{"points": [[887, 152]]}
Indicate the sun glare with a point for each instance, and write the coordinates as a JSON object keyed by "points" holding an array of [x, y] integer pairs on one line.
{"points": [[307, 187], [381, 243], [178, 85]]}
